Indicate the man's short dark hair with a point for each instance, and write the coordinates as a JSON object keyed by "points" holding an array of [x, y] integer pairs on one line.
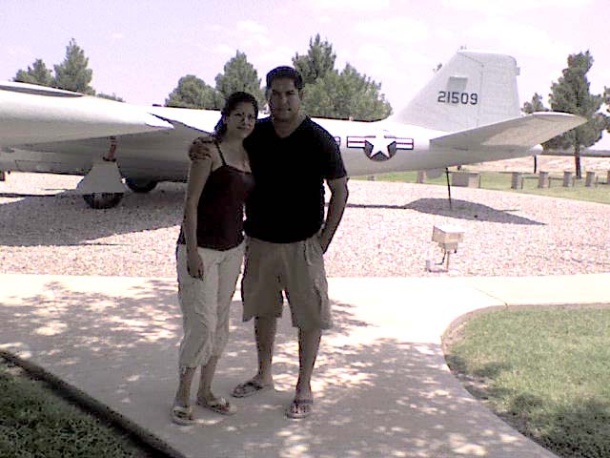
{"points": [[285, 72]]}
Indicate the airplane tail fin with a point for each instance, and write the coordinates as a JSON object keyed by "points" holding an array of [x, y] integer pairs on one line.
{"points": [[473, 89]]}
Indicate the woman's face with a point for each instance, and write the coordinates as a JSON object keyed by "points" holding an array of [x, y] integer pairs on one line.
{"points": [[240, 122]]}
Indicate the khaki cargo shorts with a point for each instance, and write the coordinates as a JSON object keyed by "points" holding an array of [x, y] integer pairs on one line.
{"points": [[295, 269]]}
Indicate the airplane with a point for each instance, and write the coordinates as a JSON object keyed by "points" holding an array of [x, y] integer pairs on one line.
{"points": [[468, 113]]}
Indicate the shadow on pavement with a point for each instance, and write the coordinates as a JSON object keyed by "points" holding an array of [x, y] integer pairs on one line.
{"points": [[376, 395], [461, 209]]}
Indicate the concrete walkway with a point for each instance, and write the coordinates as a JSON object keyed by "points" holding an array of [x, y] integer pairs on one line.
{"points": [[382, 387]]}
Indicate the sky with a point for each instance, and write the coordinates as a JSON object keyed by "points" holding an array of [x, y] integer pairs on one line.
{"points": [[139, 49]]}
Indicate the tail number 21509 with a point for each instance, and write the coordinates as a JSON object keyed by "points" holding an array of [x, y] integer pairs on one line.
{"points": [[465, 98]]}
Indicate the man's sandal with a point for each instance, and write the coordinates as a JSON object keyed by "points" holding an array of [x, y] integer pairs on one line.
{"points": [[219, 405], [246, 389], [299, 409]]}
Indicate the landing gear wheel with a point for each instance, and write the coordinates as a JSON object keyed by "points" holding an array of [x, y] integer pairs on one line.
{"points": [[140, 185], [103, 200]]}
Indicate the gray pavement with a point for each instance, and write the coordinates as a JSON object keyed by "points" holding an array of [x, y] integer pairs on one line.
{"points": [[381, 384]]}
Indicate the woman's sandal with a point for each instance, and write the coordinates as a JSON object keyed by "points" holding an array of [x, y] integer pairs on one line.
{"points": [[182, 416]]}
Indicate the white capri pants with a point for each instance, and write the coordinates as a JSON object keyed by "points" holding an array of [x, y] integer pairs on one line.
{"points": [[206, 303]]}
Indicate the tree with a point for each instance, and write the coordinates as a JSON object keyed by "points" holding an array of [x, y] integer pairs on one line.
{"points": [[570, 94], [333, 94], [193, 92], [319, 61], [320, 97], [365, 101], [239, 75], [535, 106], [73, 73], [38, 73], [346, 95], [607, 102]]}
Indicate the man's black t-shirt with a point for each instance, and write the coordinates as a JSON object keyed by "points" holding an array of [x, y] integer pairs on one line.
{"points": [[287, 203]]}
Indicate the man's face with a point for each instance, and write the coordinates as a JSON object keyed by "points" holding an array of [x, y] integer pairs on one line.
{"points": [[284, 100]]}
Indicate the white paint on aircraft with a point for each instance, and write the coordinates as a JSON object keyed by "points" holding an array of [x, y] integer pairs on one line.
{"points": [[468, 113]]}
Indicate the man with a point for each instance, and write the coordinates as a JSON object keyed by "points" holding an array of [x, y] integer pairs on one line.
{"points": [[291, 157]]}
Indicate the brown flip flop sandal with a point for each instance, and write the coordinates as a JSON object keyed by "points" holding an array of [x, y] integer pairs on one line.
{"points": [[299, 409], [246, 389]]}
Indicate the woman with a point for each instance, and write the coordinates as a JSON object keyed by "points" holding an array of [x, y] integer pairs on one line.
{"points": [[210, 251]]}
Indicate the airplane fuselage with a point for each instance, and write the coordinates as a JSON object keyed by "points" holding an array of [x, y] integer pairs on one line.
{"points": [[467, 113], [370, 148], [158, 152]]}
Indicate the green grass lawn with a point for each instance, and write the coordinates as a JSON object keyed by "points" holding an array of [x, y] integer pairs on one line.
{"points": [[36, 422], [501, 181], [545, 371]]}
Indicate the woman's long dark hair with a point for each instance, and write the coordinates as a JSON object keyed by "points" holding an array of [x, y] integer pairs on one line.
{"points": [[230, 105]]}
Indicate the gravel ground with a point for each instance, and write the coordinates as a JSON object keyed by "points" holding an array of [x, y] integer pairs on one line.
{"points": [[386, 231]]}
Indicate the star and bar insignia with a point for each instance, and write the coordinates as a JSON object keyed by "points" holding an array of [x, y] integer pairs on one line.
{"points": [[380, 147]]}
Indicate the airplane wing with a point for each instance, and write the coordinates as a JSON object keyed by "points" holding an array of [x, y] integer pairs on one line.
{"points": [[31, 114], [518, 133], [54, 131]]}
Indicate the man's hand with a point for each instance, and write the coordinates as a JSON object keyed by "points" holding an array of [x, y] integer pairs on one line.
{"points": [[324, 240], [336, 206], [200, 148]]}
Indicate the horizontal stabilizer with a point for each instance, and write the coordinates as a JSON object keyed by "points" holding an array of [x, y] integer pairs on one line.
{"points": [[523, 132]]}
